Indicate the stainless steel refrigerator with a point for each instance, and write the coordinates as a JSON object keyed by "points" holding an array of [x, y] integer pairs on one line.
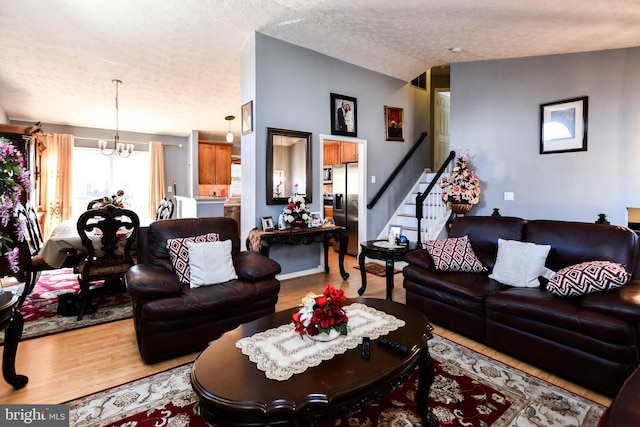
{"points": [[345, 202]]}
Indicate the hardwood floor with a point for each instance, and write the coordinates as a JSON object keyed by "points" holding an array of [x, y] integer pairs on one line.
{"points": [[73, 364]]}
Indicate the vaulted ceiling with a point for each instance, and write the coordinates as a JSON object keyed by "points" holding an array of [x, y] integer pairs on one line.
{"points": [[179, 60]]}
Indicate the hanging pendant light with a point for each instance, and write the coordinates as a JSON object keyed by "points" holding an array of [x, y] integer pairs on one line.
{"points": [[229, 134], [119, 149]]}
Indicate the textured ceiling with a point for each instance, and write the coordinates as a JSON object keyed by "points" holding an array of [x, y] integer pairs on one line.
{"points": [[179, 60]]}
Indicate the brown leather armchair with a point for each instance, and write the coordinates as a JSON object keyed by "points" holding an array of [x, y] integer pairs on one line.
{"points": [[172, 319]]}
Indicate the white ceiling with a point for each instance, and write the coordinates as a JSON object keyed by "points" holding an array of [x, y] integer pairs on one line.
{"points": [[179, 60]]}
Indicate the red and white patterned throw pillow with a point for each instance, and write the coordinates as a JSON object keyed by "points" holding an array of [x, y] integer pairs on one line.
{"points": [[179, 253], [588, 277], [454, 254]]}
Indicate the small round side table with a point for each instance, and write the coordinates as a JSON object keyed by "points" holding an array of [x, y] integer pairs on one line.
{"points": [[11, 322], [380, 249]]}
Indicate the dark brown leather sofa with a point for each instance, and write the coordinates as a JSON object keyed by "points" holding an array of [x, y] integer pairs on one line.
{"points": [[171, 319], [593, 340], [624, 410]]}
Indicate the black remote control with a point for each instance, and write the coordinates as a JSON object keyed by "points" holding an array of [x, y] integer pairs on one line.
{"points": [[366, 348], [402, 349]]}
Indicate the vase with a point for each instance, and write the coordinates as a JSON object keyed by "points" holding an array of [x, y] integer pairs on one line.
{"points": [[298, 223], [460, 208], [324, 337]]}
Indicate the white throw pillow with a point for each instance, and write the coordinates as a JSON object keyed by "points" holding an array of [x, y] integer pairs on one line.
{"points": [[519, 263], [210, 263]]}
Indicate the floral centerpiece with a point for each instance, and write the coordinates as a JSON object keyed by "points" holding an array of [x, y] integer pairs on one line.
{"points": [[296, 212], [14, 178], [116, 200], [322, 314], [462, 186]]}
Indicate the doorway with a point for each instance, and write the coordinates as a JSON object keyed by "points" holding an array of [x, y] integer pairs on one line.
{"points": [[441, 137], [362, 182]]}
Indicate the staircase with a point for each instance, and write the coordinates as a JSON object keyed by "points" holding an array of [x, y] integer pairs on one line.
{"points": [[435, 212]]}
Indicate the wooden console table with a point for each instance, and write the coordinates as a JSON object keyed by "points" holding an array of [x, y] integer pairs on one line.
{"points": [[261, 241]]}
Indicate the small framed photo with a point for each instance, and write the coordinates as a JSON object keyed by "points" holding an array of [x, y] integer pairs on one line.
{"points": [[394, 123], [344, 115], [316, 219], [396, 230], [247, 118], [267, 223], [563, 126]]}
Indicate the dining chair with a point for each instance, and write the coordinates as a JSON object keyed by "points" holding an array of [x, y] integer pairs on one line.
{"points": [[108, 234], [165, 209], [33, 262], [94, 203]]}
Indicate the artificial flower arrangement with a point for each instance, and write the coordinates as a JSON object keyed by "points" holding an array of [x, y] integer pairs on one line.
{"points": [[296, 210], [14, 178], [321, 313], [117, 200], [462, 185]]}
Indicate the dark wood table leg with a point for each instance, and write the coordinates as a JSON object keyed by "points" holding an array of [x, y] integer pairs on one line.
{"points": [[344, 241], [325, 243], [389, 274], [12, 336], [264, 248], [426, 377], [363, 273]]}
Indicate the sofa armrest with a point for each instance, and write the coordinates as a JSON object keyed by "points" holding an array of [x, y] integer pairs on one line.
{"points": [[251, 266], [624, 410], [147, 280], [420, 258]]}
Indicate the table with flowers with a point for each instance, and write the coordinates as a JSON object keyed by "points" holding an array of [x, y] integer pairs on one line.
{"points": [[261, 241]]}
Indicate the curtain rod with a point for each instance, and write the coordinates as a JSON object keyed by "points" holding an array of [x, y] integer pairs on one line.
{"points": [[165, 144]]}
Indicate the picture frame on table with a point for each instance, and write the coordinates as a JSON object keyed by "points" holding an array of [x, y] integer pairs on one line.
{"points": [[396, 230], [394, 123], [267, 223], [344, 115], [316, 219], [563, 125], [247, 118]]}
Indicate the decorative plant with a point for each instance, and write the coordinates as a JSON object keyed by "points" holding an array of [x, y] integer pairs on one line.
{"points": [[462, 185], [321, 313], [296, 209], [14, 178]]}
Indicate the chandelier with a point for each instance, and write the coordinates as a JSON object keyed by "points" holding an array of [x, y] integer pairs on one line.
{"points": [[119, 149]]}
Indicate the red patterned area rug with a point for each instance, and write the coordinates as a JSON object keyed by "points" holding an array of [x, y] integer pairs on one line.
{"points": [[377, 269], [469, 390], [40, 308]]}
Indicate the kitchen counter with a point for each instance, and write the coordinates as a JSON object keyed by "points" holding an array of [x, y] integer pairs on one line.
{"points": [[199, 206], [232, 201]]}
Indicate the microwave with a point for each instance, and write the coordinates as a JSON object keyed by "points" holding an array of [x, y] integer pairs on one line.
{"points": [[327, 175]]}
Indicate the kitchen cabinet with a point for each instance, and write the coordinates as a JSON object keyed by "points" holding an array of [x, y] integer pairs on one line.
{"points": [[336, 153], [214, 163], [348, 152], [331, 153]]}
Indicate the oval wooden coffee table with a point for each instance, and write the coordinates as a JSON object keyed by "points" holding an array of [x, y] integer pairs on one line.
{"points": [[232, 391]]}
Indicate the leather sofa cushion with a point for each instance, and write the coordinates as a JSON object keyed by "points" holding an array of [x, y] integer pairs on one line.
{"points": [[484, 233], [623, 302], [543, 307]]}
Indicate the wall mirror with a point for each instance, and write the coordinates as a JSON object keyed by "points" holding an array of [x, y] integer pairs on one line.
{"points": [[288, 165]]}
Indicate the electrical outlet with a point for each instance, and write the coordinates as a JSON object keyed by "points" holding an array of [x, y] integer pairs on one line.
{"points": [[373, 179], [169, 189], [508, 195]]}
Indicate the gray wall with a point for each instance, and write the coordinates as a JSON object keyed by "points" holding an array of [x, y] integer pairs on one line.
{"points": [[292, 91], [495, 113]]}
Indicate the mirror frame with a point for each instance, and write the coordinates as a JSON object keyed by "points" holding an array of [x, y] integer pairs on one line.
{"points": [[271, 132]]}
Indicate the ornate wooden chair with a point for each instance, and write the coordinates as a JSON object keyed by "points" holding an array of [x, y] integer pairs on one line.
{"points": [[165, 209], [108, 234]]}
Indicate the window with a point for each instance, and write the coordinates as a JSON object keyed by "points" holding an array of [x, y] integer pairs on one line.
{"points": [[96, 176]]}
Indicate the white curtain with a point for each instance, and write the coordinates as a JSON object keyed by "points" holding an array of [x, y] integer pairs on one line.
{"points": [[156, 177]]}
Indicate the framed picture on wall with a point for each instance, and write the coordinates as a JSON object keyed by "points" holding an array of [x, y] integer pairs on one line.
{"points": [[344, 115], [563, 126], [394, 123], [247, 118]]}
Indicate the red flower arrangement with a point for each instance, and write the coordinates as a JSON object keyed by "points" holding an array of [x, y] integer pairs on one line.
{"points": [[321, 313]]}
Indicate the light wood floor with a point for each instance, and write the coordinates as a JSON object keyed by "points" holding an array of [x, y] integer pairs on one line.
{"points": [[73, 364]]}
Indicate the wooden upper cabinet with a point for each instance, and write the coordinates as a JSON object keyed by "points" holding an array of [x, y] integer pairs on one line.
{"points": [[348, 152], [214, 163], [331, 154]]}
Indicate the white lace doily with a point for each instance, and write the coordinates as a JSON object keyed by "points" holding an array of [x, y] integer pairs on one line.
{"points": [[281, 352]]}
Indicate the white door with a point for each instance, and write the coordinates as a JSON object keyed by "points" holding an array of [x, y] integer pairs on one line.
{"points": [[441, 126]]}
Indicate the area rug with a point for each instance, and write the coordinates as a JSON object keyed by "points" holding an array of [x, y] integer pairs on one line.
{"points": [[469, 390], [40, 307], [377, 269]]}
